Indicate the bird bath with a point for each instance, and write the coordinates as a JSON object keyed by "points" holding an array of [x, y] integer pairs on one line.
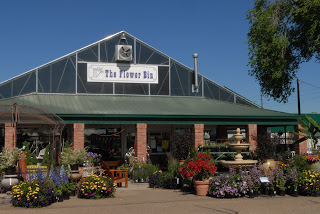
{"points": [[238, 162]]}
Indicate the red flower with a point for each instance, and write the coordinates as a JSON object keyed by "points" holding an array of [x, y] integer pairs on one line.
{"points": [[200, 168]]}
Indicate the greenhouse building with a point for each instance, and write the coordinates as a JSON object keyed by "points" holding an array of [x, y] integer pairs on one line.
{"points": [[119, 93]]}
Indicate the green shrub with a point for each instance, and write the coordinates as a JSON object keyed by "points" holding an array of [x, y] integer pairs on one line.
{"points": [[299, 162], [47, 157]]}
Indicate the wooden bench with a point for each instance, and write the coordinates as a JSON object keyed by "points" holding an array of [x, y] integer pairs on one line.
{"points": [[117, 175]]}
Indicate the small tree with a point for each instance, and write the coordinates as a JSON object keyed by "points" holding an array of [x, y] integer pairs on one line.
{"points": [[266, 146], [47, 157], [183, 143], [30, 160]]}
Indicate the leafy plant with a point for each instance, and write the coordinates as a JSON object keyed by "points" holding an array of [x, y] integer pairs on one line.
{"points": [[9, 157], [310, 131], [299, 162], [183, 144], [266, 147], [47, 157], [71, 156], [30, 160]]}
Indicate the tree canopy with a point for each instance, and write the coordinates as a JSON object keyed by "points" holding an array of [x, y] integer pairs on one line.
{"points": [[282, 35]]}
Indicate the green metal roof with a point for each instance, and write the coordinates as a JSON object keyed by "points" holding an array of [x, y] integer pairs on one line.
{"points": [[148, 108]]}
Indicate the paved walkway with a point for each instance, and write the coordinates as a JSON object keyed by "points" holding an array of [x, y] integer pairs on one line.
{"points": [[140, 199]]}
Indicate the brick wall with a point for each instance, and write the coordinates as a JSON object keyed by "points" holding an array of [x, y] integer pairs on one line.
{"points": [[78, 136], [9, 136], [252, 136], [141, 142], [198, 135], [302, 147]]}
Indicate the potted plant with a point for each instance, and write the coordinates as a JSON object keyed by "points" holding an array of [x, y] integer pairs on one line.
{"points": [[72, 157], [8, 160], [200, 169], [94, 158]]}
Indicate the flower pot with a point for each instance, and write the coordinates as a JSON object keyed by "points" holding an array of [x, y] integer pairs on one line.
{"points": [[10, 170], [315, 166], [251, 194], [9, 181], [74, 166], [282, 192], [59, 198], [295, 193], [272, 192], [202, 187]]}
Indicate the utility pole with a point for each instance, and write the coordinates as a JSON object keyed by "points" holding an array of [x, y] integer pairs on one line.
{"points": [[298, 92], [261, 101]]}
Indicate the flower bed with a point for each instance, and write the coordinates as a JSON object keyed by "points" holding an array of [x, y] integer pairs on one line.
{"points": [[229, 185], [32, 193], [95, 187], [309, 184]]}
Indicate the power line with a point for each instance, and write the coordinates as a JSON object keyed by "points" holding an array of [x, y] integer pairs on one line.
{"points": [[310, 84]]}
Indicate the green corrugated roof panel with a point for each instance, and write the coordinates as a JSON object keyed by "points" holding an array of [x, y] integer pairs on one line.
{"points": [[63, 104]]}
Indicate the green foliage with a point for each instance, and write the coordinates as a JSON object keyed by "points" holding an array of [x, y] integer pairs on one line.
{"points": [[47, 157], [299, 162], [183, 144], [266, 147], [9, 157], [309, 131], [71, 156], [173, 166], [283, 34], [143, 171], [30, 160]]}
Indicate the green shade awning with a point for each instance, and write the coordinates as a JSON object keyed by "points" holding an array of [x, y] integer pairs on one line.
{"points": [[152, 108]]}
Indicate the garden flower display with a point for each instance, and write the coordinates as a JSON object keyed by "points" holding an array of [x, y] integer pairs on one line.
{"points": [[35, 193], [229, 185], [313, 158], [199, 168], [254, 176], [93, 157], [95, 187], [309, 183]]}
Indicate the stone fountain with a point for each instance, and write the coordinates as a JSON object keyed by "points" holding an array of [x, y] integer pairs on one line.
{"points": [[238, 162]]}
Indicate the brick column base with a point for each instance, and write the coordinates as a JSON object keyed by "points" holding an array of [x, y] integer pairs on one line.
{"points": [[198, 135], [78, 136], [141, 143], [9, 136], [302, 147], [252, 136]]}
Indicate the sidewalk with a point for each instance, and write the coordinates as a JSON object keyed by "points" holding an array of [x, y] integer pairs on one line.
{"points": [[138, 198]]}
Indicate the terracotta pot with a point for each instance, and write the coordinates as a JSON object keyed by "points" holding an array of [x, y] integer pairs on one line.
{"points": [[202, 187]]}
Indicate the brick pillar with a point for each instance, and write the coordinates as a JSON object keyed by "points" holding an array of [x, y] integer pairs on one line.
{"points": [[9, 136], [141, 142], [198, 135], [252, 136], [78, 136], [302, 147]]}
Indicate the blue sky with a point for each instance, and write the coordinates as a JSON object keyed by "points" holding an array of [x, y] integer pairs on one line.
{"points": [[35, 32]]}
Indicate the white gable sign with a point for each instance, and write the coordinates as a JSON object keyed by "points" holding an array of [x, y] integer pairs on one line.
{"points": [[122, 73]]}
